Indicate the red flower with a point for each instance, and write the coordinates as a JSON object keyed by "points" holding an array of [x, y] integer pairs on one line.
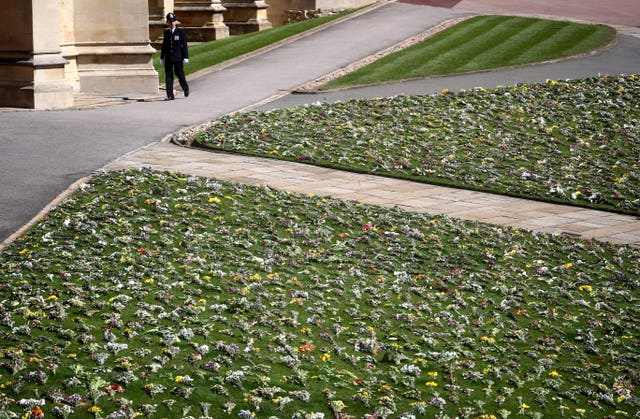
{"points": [[113, 388]]}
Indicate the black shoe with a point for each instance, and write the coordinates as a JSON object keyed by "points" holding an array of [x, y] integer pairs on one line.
{"points": [[169, 98], [186, 92]]}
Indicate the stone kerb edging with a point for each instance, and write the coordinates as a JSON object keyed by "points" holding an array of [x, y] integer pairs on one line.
{"points": [[186, 136], [313, 85]]}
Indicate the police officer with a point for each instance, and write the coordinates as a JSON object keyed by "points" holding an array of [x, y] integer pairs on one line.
{"points": [[174, 55]]}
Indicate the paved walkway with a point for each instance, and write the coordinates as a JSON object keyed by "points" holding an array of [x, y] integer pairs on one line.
{"points": [[214, 95]]}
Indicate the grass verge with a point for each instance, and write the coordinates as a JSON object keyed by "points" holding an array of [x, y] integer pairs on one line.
{"points": [[575, 142], [481, 43], [162, 295]]}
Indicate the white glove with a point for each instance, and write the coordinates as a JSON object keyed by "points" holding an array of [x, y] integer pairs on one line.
{"points": [[186, 61], [162, 61]]}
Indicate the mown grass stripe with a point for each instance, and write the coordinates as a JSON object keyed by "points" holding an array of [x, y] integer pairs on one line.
{"points": [[481, 51], [523, 36], [418, 57], [565, 41]]}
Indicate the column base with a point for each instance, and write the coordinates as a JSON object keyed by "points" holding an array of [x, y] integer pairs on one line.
{"points": [[203, 23], [35, 83], [247, 17], [116, 69]]}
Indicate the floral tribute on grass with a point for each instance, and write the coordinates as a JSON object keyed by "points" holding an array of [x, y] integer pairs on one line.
{"points": [[575, 141], [161, 295]]}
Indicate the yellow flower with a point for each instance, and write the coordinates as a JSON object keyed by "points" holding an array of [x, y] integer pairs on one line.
{"points": [[325, 357], [587, 288], [385, 388], [431, 384], [95, 409], [554, 373], [432, 374], [487, 339]]}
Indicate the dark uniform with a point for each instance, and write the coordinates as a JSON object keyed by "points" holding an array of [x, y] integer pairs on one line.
{"points": [[174, 52]]}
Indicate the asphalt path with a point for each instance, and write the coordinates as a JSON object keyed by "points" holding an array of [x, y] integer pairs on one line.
{"points": [[43, 153]]}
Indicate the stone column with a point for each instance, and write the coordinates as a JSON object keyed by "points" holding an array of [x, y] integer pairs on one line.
{"points": [[203, 20], [246, 16], [114, 52], [31, 63], [158, 9], [69, 50]]}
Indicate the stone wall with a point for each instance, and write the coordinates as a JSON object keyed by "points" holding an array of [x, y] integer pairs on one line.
{"points": [[281, 12]]}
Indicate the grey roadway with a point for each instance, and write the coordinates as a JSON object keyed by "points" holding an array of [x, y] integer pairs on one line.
{"points": [[42, 153]]}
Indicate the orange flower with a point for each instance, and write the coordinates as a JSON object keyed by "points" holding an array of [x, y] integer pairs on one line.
{"points": [[307, 348], [36, 413]]}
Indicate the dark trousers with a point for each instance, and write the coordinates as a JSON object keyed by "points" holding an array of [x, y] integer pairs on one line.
{"points": [[178, 68]]}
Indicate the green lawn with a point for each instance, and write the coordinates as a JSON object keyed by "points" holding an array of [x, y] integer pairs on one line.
{"points": [[164, 296], [575, 142], [482, 43]]}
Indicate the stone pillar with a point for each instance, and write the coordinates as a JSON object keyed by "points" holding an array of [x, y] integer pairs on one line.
{"points": [[246, 16], [31, 63], [67, 38], [158, 9], [203, 20], [114, 52]]}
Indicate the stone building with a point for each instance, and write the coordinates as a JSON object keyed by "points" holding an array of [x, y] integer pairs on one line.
{"points": [[53, 49]]}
